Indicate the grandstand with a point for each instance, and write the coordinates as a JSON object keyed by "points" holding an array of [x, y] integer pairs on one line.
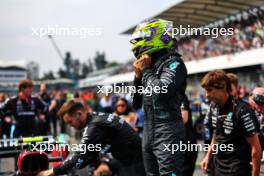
{"points": [[241, 53]]}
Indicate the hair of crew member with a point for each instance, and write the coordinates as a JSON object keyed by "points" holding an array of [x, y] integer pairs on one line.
{"points": [[233, 123], [234, 84], [23, 84], [74, 114]]}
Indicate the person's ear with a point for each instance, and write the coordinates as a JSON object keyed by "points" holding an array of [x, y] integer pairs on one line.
{"points": [[79, 114]]}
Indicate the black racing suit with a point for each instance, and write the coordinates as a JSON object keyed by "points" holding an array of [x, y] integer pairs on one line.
{"points": [[24, 113], [101, 130], [163, 123], [232, 124], [190, 138]]}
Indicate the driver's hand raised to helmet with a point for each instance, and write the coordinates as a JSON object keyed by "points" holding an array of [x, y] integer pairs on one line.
{"points": [[141, 63]]}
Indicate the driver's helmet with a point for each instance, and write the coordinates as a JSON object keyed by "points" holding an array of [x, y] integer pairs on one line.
{"points": [[151, 36]]}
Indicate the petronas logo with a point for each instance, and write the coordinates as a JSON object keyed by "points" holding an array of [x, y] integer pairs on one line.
{"points": [[173, 174], [173, 66]]}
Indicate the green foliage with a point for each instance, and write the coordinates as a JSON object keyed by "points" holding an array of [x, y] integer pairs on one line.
{"points": [[100, 61], [48, 76]]}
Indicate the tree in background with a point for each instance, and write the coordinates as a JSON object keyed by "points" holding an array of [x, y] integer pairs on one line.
{"points": [[48, 76], [100, 61], [90, 65], [74, 69], [86, 68]]}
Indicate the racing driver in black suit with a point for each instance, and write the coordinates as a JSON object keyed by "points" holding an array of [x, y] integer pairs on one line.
{"points": [[162, 73]]}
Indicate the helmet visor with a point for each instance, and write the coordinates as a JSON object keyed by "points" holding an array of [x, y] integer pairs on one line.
{"points": [[139, 35]]}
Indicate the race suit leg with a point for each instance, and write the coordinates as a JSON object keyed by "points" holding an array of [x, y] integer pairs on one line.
{"points": [[149, 159], [171, 162], [157, 133]]}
